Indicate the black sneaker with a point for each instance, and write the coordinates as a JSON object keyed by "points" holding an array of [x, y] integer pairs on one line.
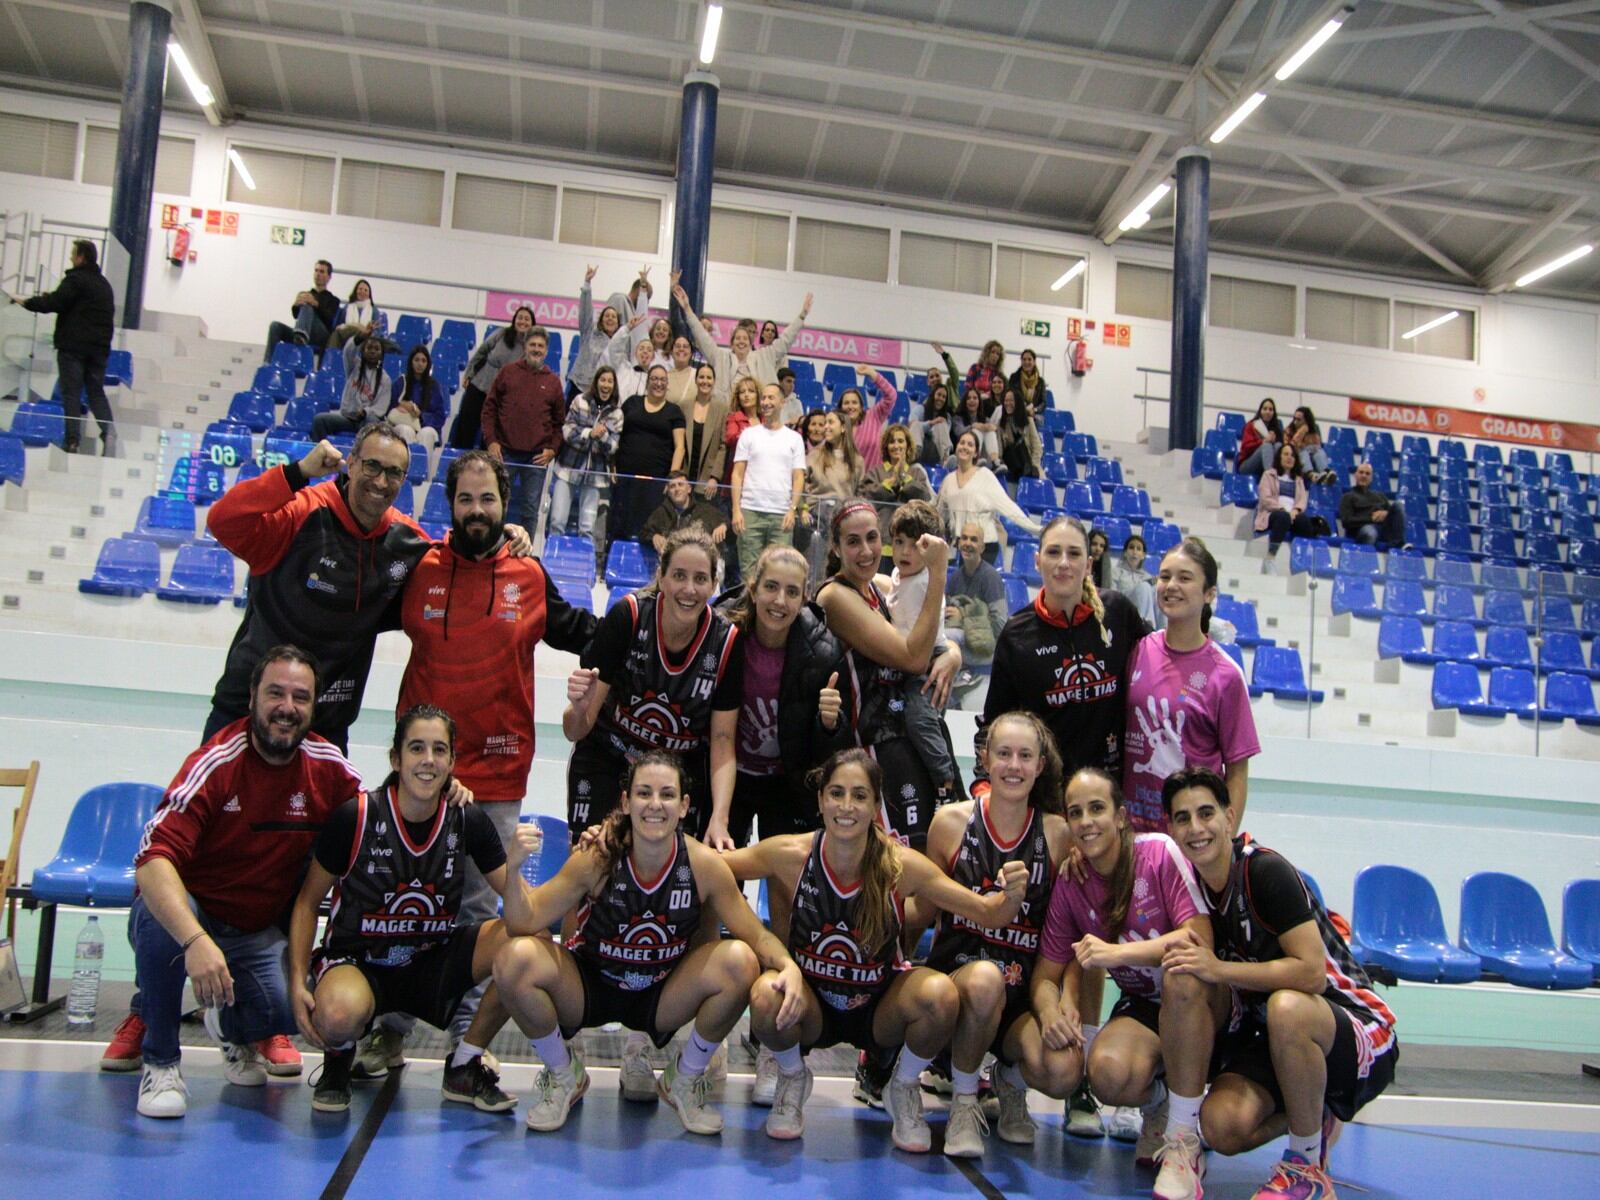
{"points": [[872, 1073], [332, 1084], [300, 339], [476, 1084]]}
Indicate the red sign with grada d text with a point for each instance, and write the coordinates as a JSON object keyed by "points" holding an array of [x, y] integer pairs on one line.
{"points": [[1490, 427]]}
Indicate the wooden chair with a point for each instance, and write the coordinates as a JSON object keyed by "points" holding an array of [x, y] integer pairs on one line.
{"points": [[24, 778]]}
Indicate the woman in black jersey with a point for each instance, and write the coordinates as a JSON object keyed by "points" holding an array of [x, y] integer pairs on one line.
{"points": [[1019, 818], [661, 674], [642, 890], [849, 882], [878, 658]]}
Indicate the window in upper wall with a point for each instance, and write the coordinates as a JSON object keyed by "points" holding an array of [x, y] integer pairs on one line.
{"points": [[1027, 275], [1347, 318], [386, 192], [749, 239], [614, 221], [1253, 305], [174, 160], [848, 251], [1144, 291], [505, 206], [1456, 338], [284, 179], [37, 146], [948, 264]]}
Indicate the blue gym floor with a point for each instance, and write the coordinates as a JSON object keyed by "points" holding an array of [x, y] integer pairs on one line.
{"points": [[75, 1133]]}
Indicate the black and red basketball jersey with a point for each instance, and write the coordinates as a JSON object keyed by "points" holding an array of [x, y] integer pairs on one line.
{"points": [[635, 930], [825, 938]]}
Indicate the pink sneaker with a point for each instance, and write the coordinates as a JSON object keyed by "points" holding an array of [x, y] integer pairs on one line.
{"points": [[280, 1056], [1293, 1178], [126, 1051]]}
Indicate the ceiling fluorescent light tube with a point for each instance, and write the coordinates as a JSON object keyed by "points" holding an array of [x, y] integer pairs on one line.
{"points": [[1069, 274], [1433, 324], [1141, 212], [1237, 117], [202, 94], [708, 39], [1312, 45], [244, 171], [1538, 273]]}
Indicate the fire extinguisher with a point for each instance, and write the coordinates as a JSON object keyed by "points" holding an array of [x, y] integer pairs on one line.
{"points": [[178, 250], [1078, 357]]}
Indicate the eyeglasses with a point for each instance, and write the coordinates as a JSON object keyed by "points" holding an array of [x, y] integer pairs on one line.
{"points": [[373, 469]]}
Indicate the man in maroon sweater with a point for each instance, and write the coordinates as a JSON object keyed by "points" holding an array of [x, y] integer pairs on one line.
{"points": [[217, 869], [522, 418]]}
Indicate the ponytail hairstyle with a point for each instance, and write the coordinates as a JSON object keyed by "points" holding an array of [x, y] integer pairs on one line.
{"points": [[742, 612], [402, 727], [1195, 551], [1119, 888], [1091, 594], [1046, 795], [880, 867], [679, 539], [616, 831]]}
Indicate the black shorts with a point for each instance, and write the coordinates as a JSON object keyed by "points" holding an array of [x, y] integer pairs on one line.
{"points": [[429, 987], [605, 1002], [851, 1027], [595, 774], [1246, 1052], [1138, 1008], [909, 797], [767, 805], [1018, 1005]]}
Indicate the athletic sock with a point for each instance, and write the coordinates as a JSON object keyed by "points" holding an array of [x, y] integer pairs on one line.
{"points": [[465, 1052], [1308, 1147], [1183, 1112], [790, 1061], [1090, 1032], [1152, 1101], [966, 1082], [696, 1054], [910, 1066], [552, 1049], [1012, 1074]]}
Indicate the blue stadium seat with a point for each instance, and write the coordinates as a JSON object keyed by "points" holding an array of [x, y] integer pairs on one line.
{"points": [[404, 500], [1407, 564], [1278, 670], [94, 865], [201, 575], [1083, 498], [1580, 920], [1589, 621], [1455, 685], [1449, 512], [1538, 520], [804, 369], [1456, 539], [836, 377], [1401, 637], [1058, 468], [1507, 646], [1542, 547], [197, 479], [1503, 577], [1315, 556], [1056, 423], [1354, 594], [119, 368], [1239, 490], [251, 470], [1404, 598], [1236, 652], [936, 476], [435, 506], [39, 423], [1454, 603], [1415, 444], [1554, 459], [274, 381], [554, 847], [323, 391], [1025, 563], [1495, 516], [1130, 502], [1206, 463], [1579, 528], [255, 410], [291, 356], [1103, 471], [1117, 530], [1503, 922], [1482, 453], [13, 460], [411, 330], [1498, 544], [1455, 571], [459, 332], [1512, 689], [1241, 614], [1083, 446], [1455, 641], [1159, 537], [1586, 585], [298, 416], [628, 566], [1454, 450], [1359, 560], [1222, 441], [126, 567], [1521, 456], [1233, 422], [1563, 651], [1504, 608], [1036, 495], [1557, 614], [1378, 441], [227, 443], [1016, 592], [1568, 695], [164, 520], [1397, 920]]}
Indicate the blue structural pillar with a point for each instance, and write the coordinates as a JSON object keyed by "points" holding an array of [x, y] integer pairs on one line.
{"points": [[149, 29], [1189, 249], [691, 226]]}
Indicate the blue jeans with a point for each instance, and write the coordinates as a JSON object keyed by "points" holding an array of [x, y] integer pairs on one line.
{"points": [[588, 495], [527, 488], [307, 321], [1313, 460], [260, 1006], [1259, 460], [1391, 530]]}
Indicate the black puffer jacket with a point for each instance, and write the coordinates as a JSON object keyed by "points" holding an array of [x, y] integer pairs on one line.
{"points": [[85, 311]]}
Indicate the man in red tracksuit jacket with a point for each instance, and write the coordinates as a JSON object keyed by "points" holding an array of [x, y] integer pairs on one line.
{"points": [[522, 417]]}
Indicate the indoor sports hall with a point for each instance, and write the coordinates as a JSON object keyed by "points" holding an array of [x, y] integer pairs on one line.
{"points": [[1383, 214]]}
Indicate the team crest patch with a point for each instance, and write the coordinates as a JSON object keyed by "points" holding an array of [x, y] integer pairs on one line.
{"points": [[908, 791], [451, 841], [583, 787], [1198, 680], [297, 802], [709, 662], [1141, 888], [512, 593], [397, 570], [685, 874]]}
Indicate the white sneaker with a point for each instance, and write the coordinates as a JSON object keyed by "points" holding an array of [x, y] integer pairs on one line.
{"points": [[965, 1128], [689, 1096], [1016, 1123], [787, 1120], [553, 1097], [162, 1092], [766, 1088], [243, 1066], [1183, 1166], [636, 1079], [1152, 1136], [1124, 1124], [904, 1102]]}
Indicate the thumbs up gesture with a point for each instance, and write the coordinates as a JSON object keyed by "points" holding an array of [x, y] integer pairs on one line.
{"points": [[830, 703]]}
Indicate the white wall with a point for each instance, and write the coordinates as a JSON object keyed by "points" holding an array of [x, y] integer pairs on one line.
{"points": [[1537, 357]]}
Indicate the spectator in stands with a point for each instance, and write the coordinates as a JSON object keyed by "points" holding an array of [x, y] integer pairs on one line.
{"points": [[1128, 577], [769, 332], [498, 350], [952, 377], [975, 600], [314, 310], [633, 374], [814, 429], [1260, 439], [866, 425], [997, 393], [834, 468], [417, 404], [975, 417], [970, 492], [589, 437], [1099, 559], [681, 369], [744, 411], [522, 417], [1306, 438], [85, 309], [653, 444], [934, 441], [367, 389], [362, 317], [678, 508], [1281, 502], [1369, 516], [594, 332], [1021, 449], [217, 868], [793, 407], [1028, 383], [991, 362], [705, 420], [741, 357], [896, 480], [769, 469]]}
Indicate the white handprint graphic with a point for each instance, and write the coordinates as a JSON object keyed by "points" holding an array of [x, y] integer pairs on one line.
{"points": [[1163, 736]]}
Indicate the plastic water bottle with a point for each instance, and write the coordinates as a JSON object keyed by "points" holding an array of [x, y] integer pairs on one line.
{"points": [[85, 991]]}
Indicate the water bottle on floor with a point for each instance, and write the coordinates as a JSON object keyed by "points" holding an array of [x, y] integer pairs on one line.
{"points": [[85, 991]]}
